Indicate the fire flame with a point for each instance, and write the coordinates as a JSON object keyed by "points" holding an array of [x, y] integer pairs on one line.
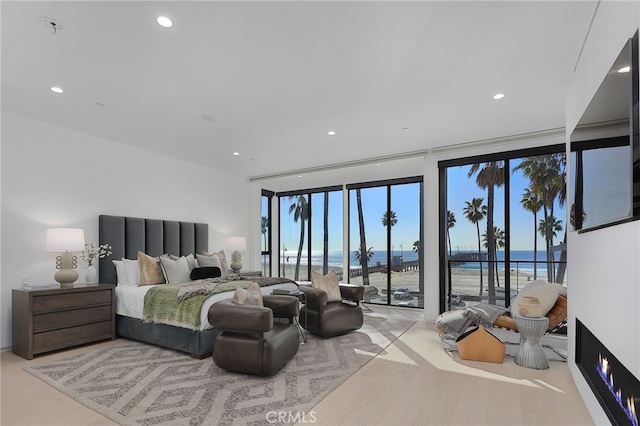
{"points": [[607, 377]]}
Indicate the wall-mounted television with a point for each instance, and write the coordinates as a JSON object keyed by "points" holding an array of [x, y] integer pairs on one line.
{"points": [[605, 149]]}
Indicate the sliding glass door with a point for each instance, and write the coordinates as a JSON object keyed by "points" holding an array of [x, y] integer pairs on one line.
{"points": [[385, 228], [503, 220], [311, 232]]}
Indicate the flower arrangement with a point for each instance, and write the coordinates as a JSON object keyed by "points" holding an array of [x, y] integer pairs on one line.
{"points": [[91, 252]]}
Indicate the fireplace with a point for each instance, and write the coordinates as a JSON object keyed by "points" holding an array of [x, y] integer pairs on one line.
{"points": [[617, 390]]}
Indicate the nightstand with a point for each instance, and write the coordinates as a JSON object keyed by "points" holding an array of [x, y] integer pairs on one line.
{"points": [[50, 319], [250, 273]]}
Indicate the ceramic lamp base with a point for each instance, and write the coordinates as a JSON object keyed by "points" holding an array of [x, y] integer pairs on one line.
{"points": [[67, 274], [236, 264]]}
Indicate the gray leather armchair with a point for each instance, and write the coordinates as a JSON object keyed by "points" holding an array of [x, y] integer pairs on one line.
{"points": [[250, 340], [328, 319]]}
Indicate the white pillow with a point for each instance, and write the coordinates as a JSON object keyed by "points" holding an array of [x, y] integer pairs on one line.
{"points": [[328, 283], [212, 260], [120, 272], [131, 270], [193, 263], [175, 271], [546, 293]]}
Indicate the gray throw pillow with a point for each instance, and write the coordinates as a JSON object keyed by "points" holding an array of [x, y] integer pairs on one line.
{"points": [[175, 271], [205, 261]]}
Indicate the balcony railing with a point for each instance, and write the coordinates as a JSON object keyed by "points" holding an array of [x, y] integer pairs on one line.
{"points": [[464, 278]]}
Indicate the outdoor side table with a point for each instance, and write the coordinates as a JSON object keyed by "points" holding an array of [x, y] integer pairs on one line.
{"points": [[530, 353]]}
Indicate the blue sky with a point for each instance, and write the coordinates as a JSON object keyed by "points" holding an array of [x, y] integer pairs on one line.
{"points": [[405, 203], [464, 234]]}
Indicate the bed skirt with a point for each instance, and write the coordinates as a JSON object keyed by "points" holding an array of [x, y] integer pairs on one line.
{"points": [[197, 343]]}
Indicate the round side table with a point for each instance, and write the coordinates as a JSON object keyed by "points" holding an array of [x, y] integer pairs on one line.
{"points": [[530, 353]]}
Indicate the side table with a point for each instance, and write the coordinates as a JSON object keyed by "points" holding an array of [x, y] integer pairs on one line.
{"points": [[300, 295], [530, 353]]}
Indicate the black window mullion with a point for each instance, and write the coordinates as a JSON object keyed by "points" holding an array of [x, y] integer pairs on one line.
{"points": [[507, 232]]}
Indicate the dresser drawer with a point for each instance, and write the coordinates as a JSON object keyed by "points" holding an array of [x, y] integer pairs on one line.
{"points": [[52, 320], [72, 300], [65, 337]]}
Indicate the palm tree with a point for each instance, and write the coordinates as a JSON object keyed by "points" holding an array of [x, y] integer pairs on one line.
{"points": [[490, 175], [367, 255], [416, 248], [498, 239], [474, 211], [530, 201], [451, 222], [548, 228], [389, 218], [364, 260], [264, 228], [300, 209], [548, 180]]}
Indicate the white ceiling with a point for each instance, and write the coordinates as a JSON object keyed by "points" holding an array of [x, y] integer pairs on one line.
{"points": [[277, 76]]}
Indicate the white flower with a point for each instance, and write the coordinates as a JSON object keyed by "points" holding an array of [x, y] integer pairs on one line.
{"points": [[91, 252]]}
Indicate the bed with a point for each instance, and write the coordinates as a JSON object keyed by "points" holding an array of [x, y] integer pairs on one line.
{"points": [[127, 236]]}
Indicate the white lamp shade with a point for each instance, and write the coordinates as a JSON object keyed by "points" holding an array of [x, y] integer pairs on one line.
{"points": [[236, 243], [65, 239]]}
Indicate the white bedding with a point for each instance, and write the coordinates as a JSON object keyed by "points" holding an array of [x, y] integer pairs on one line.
{"points": [[130, 300]]}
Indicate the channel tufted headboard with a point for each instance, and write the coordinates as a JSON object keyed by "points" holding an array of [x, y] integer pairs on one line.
{"points": [[128, 235]]}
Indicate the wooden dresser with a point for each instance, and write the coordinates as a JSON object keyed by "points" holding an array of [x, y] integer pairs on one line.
{"points": [[58, 318]]}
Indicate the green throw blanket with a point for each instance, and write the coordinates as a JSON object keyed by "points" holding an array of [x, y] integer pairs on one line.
{"points": [[163, 305]]}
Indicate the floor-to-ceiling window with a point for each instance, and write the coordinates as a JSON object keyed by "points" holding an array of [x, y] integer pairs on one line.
{"points": [[265, 231], [503, 224], [310, 232], [385, 229]]}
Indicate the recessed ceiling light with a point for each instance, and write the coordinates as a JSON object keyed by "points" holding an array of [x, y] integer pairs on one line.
{"points": [[331, 133], [299, 176], [406, 129], [57, 89], [236, 153], [498, 96], [624, 69], [100, 105], [164, 22], [378, 164]]}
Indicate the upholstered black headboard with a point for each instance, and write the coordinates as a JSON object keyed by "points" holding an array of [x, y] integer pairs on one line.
{"points": [[128, 235]]}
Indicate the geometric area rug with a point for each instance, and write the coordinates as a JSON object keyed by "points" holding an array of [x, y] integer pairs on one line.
{"points": [[139, 384]]}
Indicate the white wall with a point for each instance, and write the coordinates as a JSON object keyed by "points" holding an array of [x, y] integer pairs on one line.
{"points": [[55, 177], [604, 276]]}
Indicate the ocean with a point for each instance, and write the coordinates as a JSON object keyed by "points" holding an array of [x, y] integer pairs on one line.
{"points": [[335, 257], [522, 260]]}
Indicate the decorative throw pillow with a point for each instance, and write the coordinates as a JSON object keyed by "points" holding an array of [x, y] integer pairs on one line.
{"points": [[175, 271], [131, 270], [250, 296], [546, 293], [224, 266], [328, 283], [121, 274], [209, 260], [205, 272], [190, 260], [149, 270]]}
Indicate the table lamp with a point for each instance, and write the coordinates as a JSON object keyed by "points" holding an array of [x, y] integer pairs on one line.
{"points": [[237, 244], [65, 240]]}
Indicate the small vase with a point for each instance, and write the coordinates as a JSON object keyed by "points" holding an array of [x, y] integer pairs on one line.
{"points": [[91, 275]]}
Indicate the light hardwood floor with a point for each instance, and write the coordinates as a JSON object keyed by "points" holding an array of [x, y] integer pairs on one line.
{"points": [[412, 382]]}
